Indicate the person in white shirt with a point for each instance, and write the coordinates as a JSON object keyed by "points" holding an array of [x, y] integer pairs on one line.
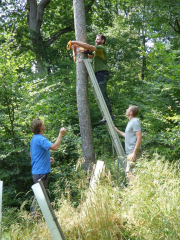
{"points": [[133, 137]]}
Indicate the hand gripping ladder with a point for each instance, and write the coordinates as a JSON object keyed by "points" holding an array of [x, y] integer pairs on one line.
{"points": [[105, 112]]}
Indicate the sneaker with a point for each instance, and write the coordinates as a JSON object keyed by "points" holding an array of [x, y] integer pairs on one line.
{"points": [[112, 116], [103, 121]]}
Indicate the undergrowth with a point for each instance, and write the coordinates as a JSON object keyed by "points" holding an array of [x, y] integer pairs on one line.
{"points": [[148, 209]]}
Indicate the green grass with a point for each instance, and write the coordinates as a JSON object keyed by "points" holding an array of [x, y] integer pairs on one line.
{"points": [[148, 208]]}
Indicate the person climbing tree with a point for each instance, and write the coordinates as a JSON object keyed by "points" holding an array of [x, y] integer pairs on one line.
{"points": [[100, 66]]}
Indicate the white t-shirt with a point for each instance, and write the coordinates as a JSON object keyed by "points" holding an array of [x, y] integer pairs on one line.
{"points": [[133, 126]]}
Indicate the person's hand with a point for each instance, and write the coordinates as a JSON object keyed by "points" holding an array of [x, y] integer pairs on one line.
{"points": [[74, 47], [133, 157], [51, 159], [62, 131]]}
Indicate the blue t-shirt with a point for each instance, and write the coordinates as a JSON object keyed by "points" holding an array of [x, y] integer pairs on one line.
{"points": [[40, 154]]}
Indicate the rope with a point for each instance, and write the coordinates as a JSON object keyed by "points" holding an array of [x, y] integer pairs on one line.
{"points": [[69, 45]]}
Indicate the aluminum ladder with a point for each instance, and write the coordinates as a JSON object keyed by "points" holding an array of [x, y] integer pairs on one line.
{"points": [[105, 112]]}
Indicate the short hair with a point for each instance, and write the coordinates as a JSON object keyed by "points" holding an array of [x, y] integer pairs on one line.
{"points": [[36, 124], [102, 37], [134, 109]]}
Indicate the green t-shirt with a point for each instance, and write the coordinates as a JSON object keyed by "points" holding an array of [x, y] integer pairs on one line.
{"points": [[100, 59]]}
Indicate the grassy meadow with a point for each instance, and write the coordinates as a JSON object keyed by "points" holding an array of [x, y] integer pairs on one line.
{"points": [[148, 208]]}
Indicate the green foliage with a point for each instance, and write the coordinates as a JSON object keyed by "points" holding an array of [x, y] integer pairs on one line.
{"points": [[162, 101], [23, 99], [26, 95], [69, 180], [14, 167]]}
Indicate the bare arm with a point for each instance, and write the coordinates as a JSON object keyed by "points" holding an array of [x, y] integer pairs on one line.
{"points": [[56, 145], [120, 132], [84, 45], [138, 143]]}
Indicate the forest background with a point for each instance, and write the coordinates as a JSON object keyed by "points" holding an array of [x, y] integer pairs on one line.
{"points": [[38, 79]]}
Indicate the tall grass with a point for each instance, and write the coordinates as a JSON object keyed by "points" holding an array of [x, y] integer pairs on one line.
{"points": [[151, 205], [148, 208]]}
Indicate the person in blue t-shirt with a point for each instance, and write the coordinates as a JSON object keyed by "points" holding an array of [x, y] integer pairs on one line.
{"points": [[40, 154]]}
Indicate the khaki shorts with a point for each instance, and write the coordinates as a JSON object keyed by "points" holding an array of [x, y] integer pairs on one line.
{"points": [[130, 165]]}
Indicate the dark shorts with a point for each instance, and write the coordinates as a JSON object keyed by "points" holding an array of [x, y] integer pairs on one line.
{"points": [[43, 177]]}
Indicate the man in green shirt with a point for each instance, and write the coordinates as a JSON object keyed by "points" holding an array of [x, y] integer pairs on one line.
{"points": [[100, 67]]}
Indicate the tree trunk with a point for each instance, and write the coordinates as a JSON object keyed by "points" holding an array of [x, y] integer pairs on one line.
{"points": [[144, 58], [82, 88], [34, 21]]}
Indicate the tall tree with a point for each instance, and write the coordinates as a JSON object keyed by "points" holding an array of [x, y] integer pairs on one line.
{"points": [[34, 21], [82, 87], [47, 22]]}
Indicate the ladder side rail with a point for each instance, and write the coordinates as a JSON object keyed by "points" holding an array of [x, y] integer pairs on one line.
{"points": [[118, 140], [97, 91], [105, 111], [119, 143], [121, 160], [94, 92], [102, 103]]}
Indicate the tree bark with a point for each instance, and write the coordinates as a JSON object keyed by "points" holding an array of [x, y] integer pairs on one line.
{"points": [[143, 58], [34, 21], [82, 88]]}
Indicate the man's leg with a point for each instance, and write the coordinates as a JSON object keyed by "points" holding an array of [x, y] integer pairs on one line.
{"points": [[44, 178], [102, 78], [107, 101], [103, 86], [130, 164]]}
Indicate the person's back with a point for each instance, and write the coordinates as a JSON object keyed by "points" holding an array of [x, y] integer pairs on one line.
{"points": [[40, 154]]}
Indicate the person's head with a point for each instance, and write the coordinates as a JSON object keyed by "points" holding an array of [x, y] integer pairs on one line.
{"points": [[100, 39], [37, 126], [132, 110]]}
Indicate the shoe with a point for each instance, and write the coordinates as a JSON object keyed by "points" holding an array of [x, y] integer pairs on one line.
{"points": [[103, 121], [112, 116]]}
